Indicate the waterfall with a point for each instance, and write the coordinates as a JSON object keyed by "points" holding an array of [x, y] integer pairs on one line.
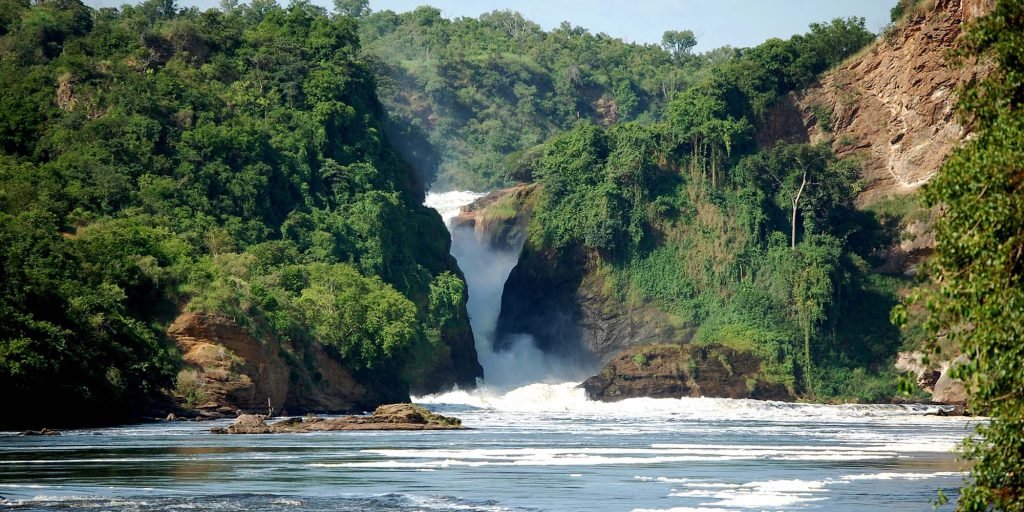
{"points": [[486, 269]]}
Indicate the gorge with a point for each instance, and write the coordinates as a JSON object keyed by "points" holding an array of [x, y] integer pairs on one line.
{"points": [[688, 281]]}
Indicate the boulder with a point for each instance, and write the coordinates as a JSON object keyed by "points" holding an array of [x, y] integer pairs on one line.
{"points": [[949, 390], [400, 413], [249, 424]]}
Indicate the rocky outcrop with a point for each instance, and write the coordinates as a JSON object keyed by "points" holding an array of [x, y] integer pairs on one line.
{"points": [[227, 370], [935, 377], [949, 390], [499, 219], [675, 371], [562, 300], [914, 363], [893, 106], [386, 417], [41, 432]]}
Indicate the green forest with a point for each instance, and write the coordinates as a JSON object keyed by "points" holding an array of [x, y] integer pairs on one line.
{"points": [[238, 161], [157, 159], [648, 160], [268, 164]]}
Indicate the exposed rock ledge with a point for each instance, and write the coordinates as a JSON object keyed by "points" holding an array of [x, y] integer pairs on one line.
{"points": [[676, 371], [386, 417], [499, 219]]}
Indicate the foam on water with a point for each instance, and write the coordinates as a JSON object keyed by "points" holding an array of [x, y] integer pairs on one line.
{"points": [[771, 493], [569, 397]]}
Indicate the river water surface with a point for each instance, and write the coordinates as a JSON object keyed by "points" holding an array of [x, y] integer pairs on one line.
{"points": [[540, 447]]}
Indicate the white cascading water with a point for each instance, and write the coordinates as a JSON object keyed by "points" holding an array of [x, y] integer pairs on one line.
{"points": [[486, 269]]}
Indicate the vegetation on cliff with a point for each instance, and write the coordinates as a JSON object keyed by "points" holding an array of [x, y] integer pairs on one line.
{"points": [[978, 300], [756, 249], [234, 161]]}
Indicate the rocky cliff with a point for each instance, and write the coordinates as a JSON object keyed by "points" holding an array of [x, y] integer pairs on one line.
{"points": [[500, 218], [561, 299], [893, 106], [228, 369], [566, 302]]}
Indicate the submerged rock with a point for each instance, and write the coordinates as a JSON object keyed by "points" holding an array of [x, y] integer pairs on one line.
{"points": [[386, 417], [42, 432]]}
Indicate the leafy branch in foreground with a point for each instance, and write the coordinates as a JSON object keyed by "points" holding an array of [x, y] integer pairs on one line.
{"points": [[978, 300]]}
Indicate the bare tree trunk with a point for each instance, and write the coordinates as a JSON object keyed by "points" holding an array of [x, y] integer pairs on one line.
{"points": [[796, 204], [714, 167], [807, 356]]}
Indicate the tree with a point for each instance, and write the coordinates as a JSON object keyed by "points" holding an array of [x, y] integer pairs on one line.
{"points": [[678, 42], [807, 181], [353, 8], [979, 262], [701, 120]]}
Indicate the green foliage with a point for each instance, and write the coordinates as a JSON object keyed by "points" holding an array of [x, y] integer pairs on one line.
{"points": [[466, 94], [353, 8], [189, 384], [640, 360], [823, 115], [233, 160], [978, 302], [757, 250], [677, 42], [480, 89], [363, 319]]}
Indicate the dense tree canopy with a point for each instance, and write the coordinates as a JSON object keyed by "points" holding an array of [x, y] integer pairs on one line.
{"points": [[234, 161], [471, 97]]}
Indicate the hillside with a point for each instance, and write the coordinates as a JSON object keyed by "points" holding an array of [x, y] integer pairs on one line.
{"points": [[471, 97], [203, 206], [677, 233]]}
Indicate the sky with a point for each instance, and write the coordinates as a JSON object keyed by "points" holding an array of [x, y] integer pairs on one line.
{"points": [[739, 23]]}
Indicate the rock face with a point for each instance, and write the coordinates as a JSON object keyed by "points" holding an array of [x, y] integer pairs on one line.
{"points": [[229, 370], [947, 389], [386, 417], [913, 362], [499, 219], [563, 301], [892, 106], [675, 371]]}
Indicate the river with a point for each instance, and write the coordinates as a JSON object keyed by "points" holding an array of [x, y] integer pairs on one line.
{"points": [[539, 447], [533, 443]]}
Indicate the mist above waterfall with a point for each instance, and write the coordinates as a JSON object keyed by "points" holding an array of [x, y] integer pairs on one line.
{"points": [[486, 269]]}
